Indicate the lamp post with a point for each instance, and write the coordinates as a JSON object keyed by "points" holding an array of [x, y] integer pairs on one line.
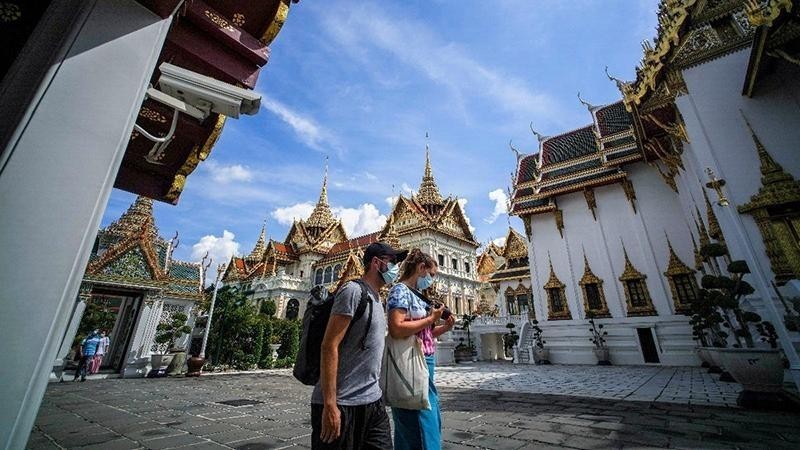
{"points": [[196, 362]]}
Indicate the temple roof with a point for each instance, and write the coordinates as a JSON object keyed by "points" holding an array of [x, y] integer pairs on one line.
{"points": [[261, 246], [428, 194], [130, 254], [571, 145], [321, 217]]}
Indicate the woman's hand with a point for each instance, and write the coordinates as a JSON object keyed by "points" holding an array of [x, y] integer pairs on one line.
{"points": [[448, 324], [436, 312]]}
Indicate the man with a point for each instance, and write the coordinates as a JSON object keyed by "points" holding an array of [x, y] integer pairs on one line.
{"points": [[88, 349], [347, 411]]}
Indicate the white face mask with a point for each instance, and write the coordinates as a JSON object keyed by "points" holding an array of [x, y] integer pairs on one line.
{"points": [[424, 282], [391, 273]]}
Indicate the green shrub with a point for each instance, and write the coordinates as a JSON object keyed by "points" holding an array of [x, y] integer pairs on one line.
{"points": [[268, 308]]}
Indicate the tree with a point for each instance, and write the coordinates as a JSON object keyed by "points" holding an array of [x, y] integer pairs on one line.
{"points": [[169, 332], [268, 308]]}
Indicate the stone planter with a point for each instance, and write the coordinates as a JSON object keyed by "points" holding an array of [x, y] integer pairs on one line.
{"points": [[718, 366], [175, 367], [603, 357], [195, 364], [541, 356], [274, 348], [159, 364], [462, 355], [702, 353], [760, 371], [714, 365]]}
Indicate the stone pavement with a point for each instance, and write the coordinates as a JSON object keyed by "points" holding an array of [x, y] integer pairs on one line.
{"points": [[688, 385], [273, 410]]}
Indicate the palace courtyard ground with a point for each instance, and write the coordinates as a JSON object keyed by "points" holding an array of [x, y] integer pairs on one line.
{"points": [[498, 406]]}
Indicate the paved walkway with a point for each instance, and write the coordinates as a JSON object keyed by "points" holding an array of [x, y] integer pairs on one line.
{"points": [[687, 385], [270, 410]]}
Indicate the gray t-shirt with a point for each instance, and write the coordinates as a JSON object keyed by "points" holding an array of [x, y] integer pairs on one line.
{"points": [[359, 369]]}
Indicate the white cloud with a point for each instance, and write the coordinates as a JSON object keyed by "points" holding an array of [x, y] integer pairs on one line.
{"points": [[219, 249], [356, 221], [407, 189], [288, 214], [500, 199], [225, 174], [362, 220], [359, 30], [391, 200], [501, 241], [305, 127], [463, 203]]}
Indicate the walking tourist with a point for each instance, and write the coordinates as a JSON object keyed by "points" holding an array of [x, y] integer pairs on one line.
{"points": [[347, 411], [410, 314], [88, 349], [102, 347]]}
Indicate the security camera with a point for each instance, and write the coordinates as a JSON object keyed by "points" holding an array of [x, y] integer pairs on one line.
{"points": [[206, 93]]}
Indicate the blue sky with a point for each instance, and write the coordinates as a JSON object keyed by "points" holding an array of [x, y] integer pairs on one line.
{"points": [[361, 82]]}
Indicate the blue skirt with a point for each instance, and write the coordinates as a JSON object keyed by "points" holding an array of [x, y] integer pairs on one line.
{"points": [[420, 429]]}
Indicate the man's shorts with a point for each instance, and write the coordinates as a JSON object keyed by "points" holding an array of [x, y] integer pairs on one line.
{"points": [[363, 427]]}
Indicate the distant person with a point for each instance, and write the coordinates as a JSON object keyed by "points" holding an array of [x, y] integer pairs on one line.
{"points": [[88, 349], [347, 410], [410, 314], [102, 348]]}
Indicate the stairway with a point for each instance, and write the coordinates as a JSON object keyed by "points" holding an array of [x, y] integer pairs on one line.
{"points": [[525, 342]]}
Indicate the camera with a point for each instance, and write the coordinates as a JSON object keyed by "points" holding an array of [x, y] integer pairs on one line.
{"points": [[205, 93], [446, 313]]}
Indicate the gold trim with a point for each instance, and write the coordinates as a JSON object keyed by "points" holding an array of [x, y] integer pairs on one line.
{"points": [[631, 274], [591, 201], [764, 13], [676, 267], [554, 283], [277, 23], [197, 155], [630, 192], [590, 278]]}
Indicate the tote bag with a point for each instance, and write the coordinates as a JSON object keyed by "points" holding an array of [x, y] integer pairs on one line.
{"points": [[404, 376]]}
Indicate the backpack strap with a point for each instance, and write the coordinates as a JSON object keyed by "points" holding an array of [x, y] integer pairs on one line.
{"points": [[362, 307]]}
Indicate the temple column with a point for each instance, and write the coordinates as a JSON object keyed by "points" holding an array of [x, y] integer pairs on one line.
{"points": [[84, 296], [137, 360], [68, 106]]}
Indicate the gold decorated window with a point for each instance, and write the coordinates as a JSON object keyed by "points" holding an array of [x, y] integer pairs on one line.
{"points": [[556, 298], [594, 299], [682, 283], [637, 296]]}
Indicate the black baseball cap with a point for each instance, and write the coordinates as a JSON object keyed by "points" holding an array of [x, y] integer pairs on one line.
{"points": [[381, 249]]}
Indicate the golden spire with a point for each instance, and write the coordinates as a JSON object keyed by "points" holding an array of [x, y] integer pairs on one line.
{"points": [[261, 247], [675, 265], [771, 171], [135, 218], [713, 224], [705, 238], [630, 272], [428, 194], [321, 217], [698, 258]]}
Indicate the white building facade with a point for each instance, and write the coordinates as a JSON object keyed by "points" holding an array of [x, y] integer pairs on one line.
{"points": [[703, 148]]}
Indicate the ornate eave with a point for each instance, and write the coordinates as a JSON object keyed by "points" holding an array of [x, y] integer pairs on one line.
{"points": [[224, 39]]}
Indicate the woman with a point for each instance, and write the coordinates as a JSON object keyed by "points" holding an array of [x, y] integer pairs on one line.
{"points": [[409, 315], [102, 347]]}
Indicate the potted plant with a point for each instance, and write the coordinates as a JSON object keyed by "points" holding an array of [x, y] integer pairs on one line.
{"points": [[706, 325], [462, 352], [599, 340], [166, 335], [759, 370], [275, 345], [466, 322], [541, 355], [510, 340]]}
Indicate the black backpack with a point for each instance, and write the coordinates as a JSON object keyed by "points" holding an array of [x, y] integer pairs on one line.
{"points": [[315, 322]]}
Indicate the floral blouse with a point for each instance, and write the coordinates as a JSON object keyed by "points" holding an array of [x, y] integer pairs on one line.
{"points": [[401, 297]]}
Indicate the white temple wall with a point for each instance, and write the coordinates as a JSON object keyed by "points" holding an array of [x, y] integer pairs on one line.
{"points": [[721, 141], [643, 233]]}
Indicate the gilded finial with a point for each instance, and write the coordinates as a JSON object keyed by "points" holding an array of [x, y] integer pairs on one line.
{"points": [[516, 152], [588, 105], [540, 137], [619, 82]]}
